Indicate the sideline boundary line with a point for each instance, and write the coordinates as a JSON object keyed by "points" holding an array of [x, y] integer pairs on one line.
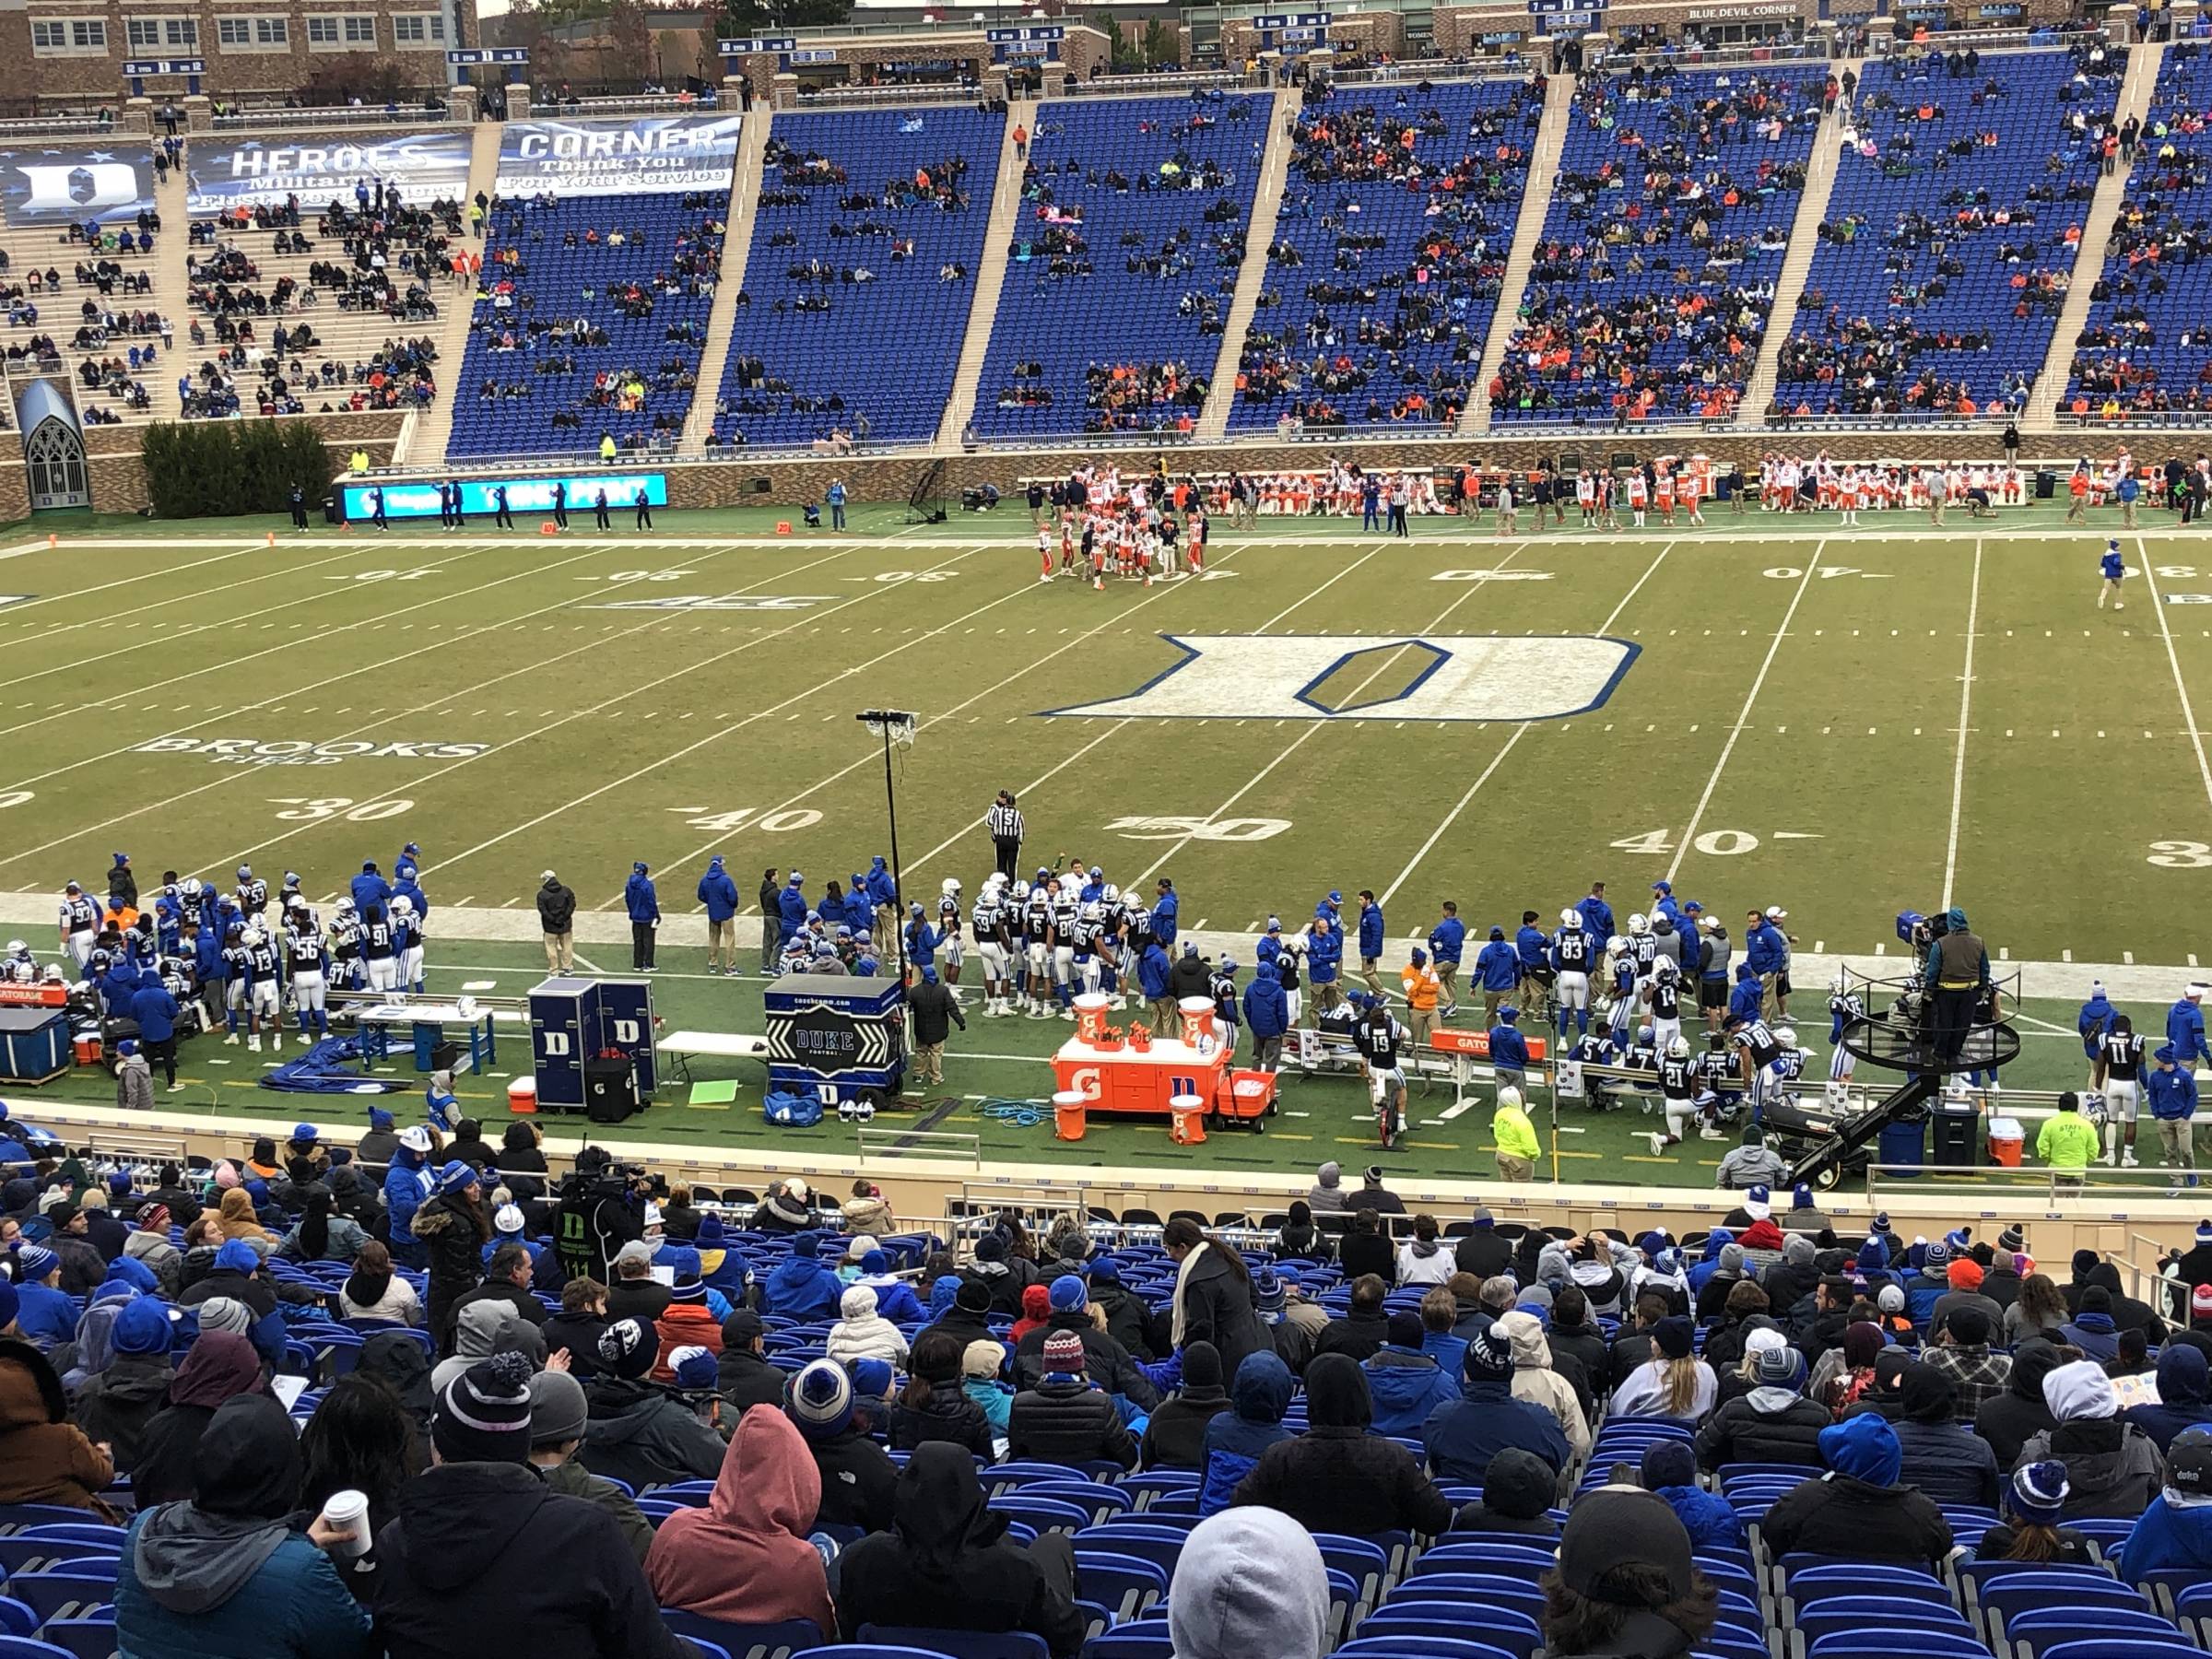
{"points": [[2158, 602], [1966, 695]]}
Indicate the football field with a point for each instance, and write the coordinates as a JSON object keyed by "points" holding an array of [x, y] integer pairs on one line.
{"points": [[1844, 722]]}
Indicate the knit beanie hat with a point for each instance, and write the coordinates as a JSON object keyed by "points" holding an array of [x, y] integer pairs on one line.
{"points": [[2014, 1238], [875, 1263], [1669, 1463], [1063, 1353], [972, 1296], [2038, 1492], [858, 1302], [822, 1399], [1068, 1295], [872, 1380], [981, 1360], [35, 1262], [1780, 1368], [628, 1347], [1890, 1299], [695, 1367], [1673, 1336], [1965, 1273], [141, 1328], [225, 1313], [484, 1413], [1489, 1356], [807, 1245], [2200, 1302], [236, 1257], [1405, 1329], [557, 1409]]}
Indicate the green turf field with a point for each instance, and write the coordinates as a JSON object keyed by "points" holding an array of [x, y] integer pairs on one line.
{"points": [[1788, 716]]}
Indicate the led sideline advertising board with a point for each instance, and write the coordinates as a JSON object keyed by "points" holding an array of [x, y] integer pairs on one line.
{"points": [[417, 497]]}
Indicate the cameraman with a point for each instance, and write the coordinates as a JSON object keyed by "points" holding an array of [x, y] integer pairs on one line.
{"points": [[1957, 977], [601, 1208]]}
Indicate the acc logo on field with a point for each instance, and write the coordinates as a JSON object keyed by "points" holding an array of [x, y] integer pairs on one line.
{"points": [[717, 602], [1447, 676]]}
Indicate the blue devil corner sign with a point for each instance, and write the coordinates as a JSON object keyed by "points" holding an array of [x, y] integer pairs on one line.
{"points": [[1373, 677]]}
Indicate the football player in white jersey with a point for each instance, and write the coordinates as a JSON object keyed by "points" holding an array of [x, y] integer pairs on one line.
{"points": [[1843, 1006], [1571, 950], [406, 944], [304, 958], [79, 923], [951, 952], [347, 968], [1620, 990], [992, 939]]}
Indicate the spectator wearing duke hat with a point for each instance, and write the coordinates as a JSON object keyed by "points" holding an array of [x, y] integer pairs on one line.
{"points": [[638, 1432], [859, 1481], [2176, 1530], [476, 1533], [1804, 1215]]}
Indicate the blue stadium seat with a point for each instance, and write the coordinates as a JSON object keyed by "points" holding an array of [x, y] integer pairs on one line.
{"points": [[1124, 1586], [62, 1593], [746, 1641], [1417, 1646], [890, 1640], [86, 1638], [1144, 1639], [2035, 1631], [27, 1647]]}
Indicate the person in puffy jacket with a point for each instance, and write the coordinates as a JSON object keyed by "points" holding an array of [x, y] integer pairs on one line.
{"points": [[1463, 1435], [1065, 1418], [1267, 1015], [1405, 1383], [1859, 1509], [2180, 1403], [1773, 1423], [861, 1332], [1175, 1432], [935, 1406], [1235, 1439], [1337, 1475], [802, 1286], [1105, 1360], [407, 1184]]}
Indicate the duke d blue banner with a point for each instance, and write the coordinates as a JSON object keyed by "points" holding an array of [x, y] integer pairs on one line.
{"points": [[77, 184], [423, 167], [619, 158]]}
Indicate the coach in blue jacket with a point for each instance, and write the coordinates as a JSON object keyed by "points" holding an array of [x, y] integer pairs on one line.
{"points": [[155, 1010], [1267, 1014], [370, 888], [1498, 967], [644, 906], [719, 894], [1371, 941]]}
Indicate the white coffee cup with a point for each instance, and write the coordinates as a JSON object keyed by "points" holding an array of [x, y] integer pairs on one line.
{"points": [[347, 1513]]}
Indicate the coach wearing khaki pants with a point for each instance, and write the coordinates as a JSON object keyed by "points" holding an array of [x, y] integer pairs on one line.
{"points": [[935, 1014], [557, 917]]}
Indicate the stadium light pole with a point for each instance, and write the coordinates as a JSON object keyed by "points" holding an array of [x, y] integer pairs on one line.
{"points": [[886, 721]]}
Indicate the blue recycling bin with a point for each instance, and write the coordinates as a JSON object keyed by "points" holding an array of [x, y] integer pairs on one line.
{"points": [[1904, 1142]]}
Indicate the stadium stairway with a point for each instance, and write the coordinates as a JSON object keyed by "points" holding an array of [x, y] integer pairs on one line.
{"points": [[1804, 237], [1251, 275], [423, 442], [990, 274], [736, 243], [173, 294], [1528, 230], [2144, 60]]}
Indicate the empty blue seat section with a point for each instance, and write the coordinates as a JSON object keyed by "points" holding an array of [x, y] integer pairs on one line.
{"points": [[861, 275], [1132, 228], [2146, 344], [1669, 220], [1389, 255], [574, 325], [1947, 247]]}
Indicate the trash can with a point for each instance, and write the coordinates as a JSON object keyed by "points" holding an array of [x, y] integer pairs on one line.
{"points": [[1904, 1143], [331, 512], [445, 1055], [1959, 1137], [2046, 484], [1186, 1126], [522, 1096], [1071, 1114], [2006, 1138]]}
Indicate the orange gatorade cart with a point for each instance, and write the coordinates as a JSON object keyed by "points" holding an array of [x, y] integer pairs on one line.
{"points": [[1107, 1075]]}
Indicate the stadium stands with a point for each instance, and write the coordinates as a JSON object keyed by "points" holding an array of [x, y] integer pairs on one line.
{"points": [[1667, 229], [80, 301], [1134, 210], [2145, 347], [860, 277], [589, 314], [1389, 255], [1951, 232]]}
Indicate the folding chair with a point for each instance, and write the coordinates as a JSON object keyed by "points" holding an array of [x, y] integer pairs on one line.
{"points": [[746, 1641]]}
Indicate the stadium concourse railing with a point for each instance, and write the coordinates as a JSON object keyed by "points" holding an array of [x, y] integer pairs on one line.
{"points": [[332, 115]]}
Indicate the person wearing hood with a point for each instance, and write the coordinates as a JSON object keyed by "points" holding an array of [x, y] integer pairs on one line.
{"points": [[2128, 1312], [1235, 1439], [1948, 1462], [1669, 1470], [1175, 1432], [643, 903], [859, 1482], [1725, 1272], [477, 1532], [374, 1149], [1859, 1509], [221, 1366], [861, 1332], [1793, 1277], [2181, 1404], [480, 1330], [1772, 1423], [1537, 1382], [133, 1077], [895, 1299], [1957, 972], [743, 1376], [1423, 1259], [1462, 1436], [1627, 1583], [1249, 1584], [744, 1558], [1063, 1417], [802, 1286], [1518, 1491], [688, 1321], [225, 1571], [1405, 1383], [115, 1405], [2016, 1417], [934, 1405], [1338, 1477], [946, 1564], [1267, 1015], [1068, 1302], [639, 1432], [1326, 1195], [2113, 1467], [44, 1457], [2175, 1531]]}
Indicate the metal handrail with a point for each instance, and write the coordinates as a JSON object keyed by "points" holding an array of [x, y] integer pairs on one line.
{"points": [[932, 95], [277, 116]]}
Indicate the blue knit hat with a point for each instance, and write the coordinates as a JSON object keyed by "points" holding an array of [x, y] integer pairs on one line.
{"points": [[2037, 1493], [1069, 1294], [236, 1257], [874, 1261], [142, 1328], [36, 1261], [379, 1118], [872, 1380], [709, 1231], [822, 1399], [454, 1176], [695, 1367], [807, 1245]]}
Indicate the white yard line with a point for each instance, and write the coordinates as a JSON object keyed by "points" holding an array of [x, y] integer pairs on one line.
{"points": [[1966, 697], [76, 595], [1812, 570], [2158, 604], [1520, 732], [379, 664]]}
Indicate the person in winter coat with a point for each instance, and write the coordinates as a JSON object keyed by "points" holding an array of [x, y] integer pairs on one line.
{"points": [[859, 1482], [862, 1333], [1236, 1439], [1105, 1361], [2092, 1329], [557, 922], [934, 1406], [1065, 1418], [1626, 1582], [453, 1229], [2016, 1417], [1518, 1490], [558, 1414], [1213, 1296], [639, 1432], [718, 893], [407, 1184], [113, 1406], [1002, 1273], [895, 1299], [1859, 1508], [1405, 1383], [686, 1322], [1126, 1316], [221, 1366], [2180, 1403], [1463, 1435], [744, 1558], [934, 1012], [470, 1550], [1175, 1432], [2113, 1468], [2176, 1530], [946, 1564], [1673, 1382], [1774, 1423], [743, 1376], [1249, 1584], [1537, 1383], [134, 1077], [981, 1362], [1423, 1259], [1670, 1470], [1337, 1475], [1266, 1016], [802, 1286], [1946, 1462], [44, 1457], [643, 904], [225, 1571]]}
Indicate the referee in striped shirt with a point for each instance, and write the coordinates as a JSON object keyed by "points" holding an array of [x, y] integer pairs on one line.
{"points": [[1004, 822]]}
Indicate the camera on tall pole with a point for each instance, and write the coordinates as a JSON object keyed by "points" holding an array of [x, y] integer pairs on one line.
{"points": [[895, 727]]}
